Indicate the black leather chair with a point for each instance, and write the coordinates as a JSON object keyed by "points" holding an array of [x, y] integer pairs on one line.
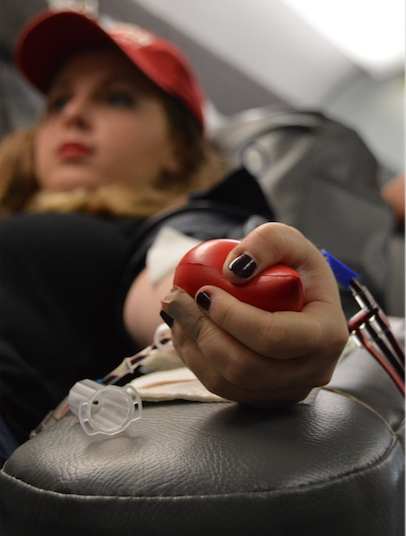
{"points": [[332, 468]]}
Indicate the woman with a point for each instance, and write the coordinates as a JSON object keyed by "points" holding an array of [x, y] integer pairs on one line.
{"points": [[169, 99], [124, 115]]}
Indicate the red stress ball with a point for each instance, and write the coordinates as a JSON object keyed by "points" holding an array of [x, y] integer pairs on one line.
{"points": [[278, 288]]}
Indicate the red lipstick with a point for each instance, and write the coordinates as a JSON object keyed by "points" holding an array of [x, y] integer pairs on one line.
{"points": [[74, 150]]}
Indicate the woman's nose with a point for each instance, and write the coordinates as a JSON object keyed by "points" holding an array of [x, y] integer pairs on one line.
{"points": [[77, 112]]}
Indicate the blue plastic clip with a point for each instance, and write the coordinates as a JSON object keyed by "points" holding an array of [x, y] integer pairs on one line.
{"points": [[341, 272]]}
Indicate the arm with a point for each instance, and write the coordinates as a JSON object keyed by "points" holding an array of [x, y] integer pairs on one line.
{"points": [[143, 305], [263, 359]]}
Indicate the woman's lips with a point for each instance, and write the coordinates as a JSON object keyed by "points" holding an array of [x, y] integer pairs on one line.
{"points": [[74, 150]]}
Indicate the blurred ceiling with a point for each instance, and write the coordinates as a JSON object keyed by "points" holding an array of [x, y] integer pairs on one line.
{"points": [[371, 33], [344, 57], [302, 49]]}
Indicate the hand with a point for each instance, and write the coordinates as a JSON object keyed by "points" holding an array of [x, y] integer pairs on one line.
{"points": [[252, 356]]}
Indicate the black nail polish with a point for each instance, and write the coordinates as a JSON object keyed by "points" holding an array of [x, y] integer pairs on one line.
{"points": [[204, 300], [166, 318], [243, 266]]}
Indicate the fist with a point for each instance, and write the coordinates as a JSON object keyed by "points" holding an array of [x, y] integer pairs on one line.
{"points": [[278, 288]]}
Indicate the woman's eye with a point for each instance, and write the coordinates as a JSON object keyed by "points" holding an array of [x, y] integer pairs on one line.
{"points": [[55, 104], [120, 99]]}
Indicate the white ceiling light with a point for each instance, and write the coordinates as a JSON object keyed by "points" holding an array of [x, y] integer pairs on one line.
{"points": [[370, 32]]}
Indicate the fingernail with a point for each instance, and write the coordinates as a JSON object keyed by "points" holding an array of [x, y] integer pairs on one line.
{"points": [[243, 266], [204, 300], [166, 318]]}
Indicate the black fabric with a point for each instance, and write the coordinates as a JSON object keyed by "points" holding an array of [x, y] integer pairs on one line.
{"points": [[231, 209], [60, 276], [64, 279], [240, 190]]}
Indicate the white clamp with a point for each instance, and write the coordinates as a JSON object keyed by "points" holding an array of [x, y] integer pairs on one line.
{"points": [[104, 409]]}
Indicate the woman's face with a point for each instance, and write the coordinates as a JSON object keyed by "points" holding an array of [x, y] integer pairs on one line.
{"points": [[105, 123]]}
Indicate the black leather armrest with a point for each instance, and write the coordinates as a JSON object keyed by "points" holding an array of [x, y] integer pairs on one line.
{"points": [[331, 468]]}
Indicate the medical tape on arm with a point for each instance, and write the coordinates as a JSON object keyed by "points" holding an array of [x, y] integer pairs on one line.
{"points": [[165, 253]]}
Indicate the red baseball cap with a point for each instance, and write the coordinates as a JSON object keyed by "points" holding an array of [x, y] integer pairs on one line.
{"points": [[53, 37]]}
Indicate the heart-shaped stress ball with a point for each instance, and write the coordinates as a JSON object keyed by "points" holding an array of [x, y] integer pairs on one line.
{"points": [[278, 288]]}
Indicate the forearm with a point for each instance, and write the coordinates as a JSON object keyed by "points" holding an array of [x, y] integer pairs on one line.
{"points": [[143, 305], [143, 302]]}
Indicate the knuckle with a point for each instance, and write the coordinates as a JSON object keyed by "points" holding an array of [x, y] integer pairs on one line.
{"points": [[215, 384], [275, 338], [206, 336], [272, 339], [197, 327], [238, 373], [229, 313], [275, 235], [271, 336], [322, 377], [339, 342]]}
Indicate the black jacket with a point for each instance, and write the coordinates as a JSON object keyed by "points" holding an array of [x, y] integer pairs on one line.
{"points": [[64, 278]]}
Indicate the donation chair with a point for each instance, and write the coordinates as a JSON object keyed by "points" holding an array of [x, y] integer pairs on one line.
{"points": [[332, 467]]}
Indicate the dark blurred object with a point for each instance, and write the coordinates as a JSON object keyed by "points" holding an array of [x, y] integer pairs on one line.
{"points": [[319, 176], [394, 193]]}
